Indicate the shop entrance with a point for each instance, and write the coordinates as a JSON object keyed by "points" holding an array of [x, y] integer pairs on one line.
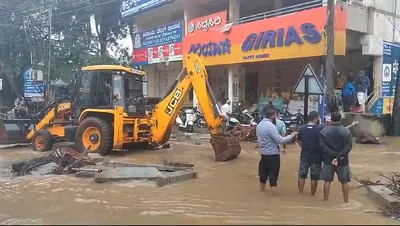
{"points": [[251, 87]]}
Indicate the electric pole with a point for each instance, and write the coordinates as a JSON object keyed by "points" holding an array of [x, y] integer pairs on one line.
{"points": [[49, 62], [330, 53]]}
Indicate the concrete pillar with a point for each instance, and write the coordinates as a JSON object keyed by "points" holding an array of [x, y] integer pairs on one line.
{"points": [[233, 70], [190, 14], [377, 65]]}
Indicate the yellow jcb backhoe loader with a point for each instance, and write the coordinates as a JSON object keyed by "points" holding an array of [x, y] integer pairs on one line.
{"points": [[107, 112]]}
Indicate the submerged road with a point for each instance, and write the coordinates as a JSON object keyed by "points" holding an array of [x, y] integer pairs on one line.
{"points": [[224, 193]]}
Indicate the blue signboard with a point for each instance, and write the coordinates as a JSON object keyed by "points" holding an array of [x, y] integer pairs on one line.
{"points": [[166, 34], [32, 88], [135, 7], [390, 68]]}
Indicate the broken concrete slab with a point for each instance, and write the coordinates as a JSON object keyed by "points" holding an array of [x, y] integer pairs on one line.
{"points": [[45, 169], [384, 195], [95, 157], [175, 177], [159, 167], [127, 173]]}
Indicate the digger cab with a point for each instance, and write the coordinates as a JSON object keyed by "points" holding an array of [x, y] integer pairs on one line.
{"points": [[107, 87], [107, 105]]}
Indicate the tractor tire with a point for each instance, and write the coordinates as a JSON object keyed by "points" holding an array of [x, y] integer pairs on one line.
{"points": [[95, 133], [42, 141]]}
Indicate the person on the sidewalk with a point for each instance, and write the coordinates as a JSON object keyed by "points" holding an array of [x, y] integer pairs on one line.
{"points": [[268, 140], [348, 93], [362, 84], [336, 143], [311, 154]]}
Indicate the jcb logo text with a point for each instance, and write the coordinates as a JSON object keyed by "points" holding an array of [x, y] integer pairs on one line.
{"points": [[173, 102]]}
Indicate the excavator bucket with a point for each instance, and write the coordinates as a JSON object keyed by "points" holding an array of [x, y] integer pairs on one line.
{"points": [[11, 132], [225, 147]]}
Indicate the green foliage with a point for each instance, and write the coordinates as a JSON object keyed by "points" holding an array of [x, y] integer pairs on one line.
{"points": [[24, 29]]}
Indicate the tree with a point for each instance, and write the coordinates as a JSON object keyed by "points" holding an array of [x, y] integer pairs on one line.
{"points": [[82, 32]]}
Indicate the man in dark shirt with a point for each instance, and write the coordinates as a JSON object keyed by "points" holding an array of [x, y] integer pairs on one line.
{"points": [[336, 143], [311, 155]]}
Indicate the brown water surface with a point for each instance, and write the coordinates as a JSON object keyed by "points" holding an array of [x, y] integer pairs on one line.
{"points": [[224, 193]]}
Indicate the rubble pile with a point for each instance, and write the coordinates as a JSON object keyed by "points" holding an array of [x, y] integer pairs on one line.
{"points": [[68, 160], [60, 161], [387, 193]]}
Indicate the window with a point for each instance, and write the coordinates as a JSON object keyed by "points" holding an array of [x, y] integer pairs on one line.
{"points": [[84, 99]]}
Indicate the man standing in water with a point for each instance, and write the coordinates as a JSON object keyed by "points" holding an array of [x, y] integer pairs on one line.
{"points": [[311, 155], [268, 140], [336, 143]]}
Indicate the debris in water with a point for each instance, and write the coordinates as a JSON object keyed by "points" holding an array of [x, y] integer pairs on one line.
{"points": [[388, 194], [367, 138], [65, 159]]}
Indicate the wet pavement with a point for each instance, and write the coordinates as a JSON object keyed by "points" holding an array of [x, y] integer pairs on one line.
{"points": [[224, 193]]}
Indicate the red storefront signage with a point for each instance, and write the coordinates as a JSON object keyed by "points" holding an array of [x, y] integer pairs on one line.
{"points": [[207, 23]]}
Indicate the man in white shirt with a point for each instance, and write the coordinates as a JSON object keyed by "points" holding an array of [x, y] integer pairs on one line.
{"points": [[225, 109]]}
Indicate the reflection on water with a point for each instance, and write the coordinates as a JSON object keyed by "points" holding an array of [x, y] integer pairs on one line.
{"points": [[224, 193]]}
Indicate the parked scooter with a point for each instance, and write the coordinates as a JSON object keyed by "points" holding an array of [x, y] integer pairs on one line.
{"points": [[185, 120]]}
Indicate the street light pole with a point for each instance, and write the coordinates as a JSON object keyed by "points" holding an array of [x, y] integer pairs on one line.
{"points": [[330, 53]]}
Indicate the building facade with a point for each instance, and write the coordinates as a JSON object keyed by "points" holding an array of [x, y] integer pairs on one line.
{"points": [[256, 50]]}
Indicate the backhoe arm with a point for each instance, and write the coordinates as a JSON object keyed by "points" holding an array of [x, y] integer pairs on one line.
{"points": [[167, 110]]}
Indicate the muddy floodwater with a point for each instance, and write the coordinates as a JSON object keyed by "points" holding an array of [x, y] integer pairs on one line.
{"points": [[224, 193]]}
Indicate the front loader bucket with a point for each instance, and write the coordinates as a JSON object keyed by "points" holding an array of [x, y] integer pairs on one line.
{"points": [[225, 147], [11, 132]]}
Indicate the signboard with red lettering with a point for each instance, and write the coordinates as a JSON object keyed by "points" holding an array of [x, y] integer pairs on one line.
{"points": [[158, 45], [207, 23]]}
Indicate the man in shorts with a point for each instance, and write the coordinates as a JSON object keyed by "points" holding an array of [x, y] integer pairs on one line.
{"points": [[336, 143], [268, 140], [311, 155]]}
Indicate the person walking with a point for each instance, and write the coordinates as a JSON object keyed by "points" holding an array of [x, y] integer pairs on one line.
{"points": [[336, 143], [268, 140], [311, 154], [362, 84], [348, 93]]}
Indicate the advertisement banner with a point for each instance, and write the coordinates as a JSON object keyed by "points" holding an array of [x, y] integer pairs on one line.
{"points": [[289, 36], [207, 23], [32, 88], [390, 68], [159, 44], [135, 7]]}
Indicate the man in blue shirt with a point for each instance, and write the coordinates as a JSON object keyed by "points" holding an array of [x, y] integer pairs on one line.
{"points": [[311, 154], [348, 93], [268, 140]]}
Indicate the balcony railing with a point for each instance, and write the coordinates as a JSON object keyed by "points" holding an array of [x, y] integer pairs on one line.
{"points": [[280, 12]]}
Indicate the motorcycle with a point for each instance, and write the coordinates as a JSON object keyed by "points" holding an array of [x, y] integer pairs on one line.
{"points": [[292, 121], [185, 120], [199, 118], [241, 125]]}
